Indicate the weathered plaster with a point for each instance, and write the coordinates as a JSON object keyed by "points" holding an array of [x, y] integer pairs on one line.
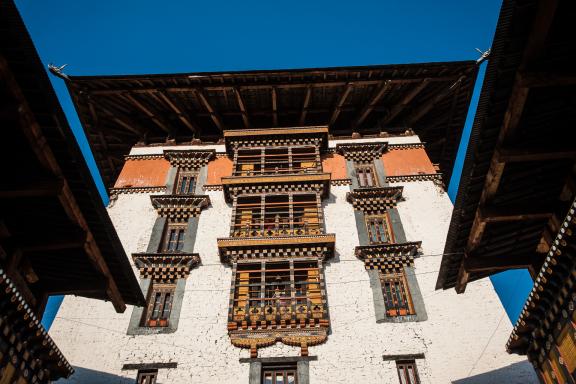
{"points": [[463, 338]]}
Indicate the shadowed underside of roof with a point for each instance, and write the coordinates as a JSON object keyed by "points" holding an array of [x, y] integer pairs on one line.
{"points": [[119, 111], [518, 177]]}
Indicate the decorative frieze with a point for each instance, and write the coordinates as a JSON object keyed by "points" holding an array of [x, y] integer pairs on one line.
{"points": [[152, 156], [165, 266], [436, 177], [362, 152], [375, 200], [396, 147], [114, 192], [189, 159], [179, 207], [24, 343], [388, 257], [551, 302], [276, 248]]}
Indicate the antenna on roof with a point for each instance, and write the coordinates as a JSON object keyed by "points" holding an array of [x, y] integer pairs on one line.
{"points": [[57, 71], [483, 55]]}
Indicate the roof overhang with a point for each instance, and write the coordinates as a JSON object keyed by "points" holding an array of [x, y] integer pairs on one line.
{"points": [[518, 176], [117, 112]]}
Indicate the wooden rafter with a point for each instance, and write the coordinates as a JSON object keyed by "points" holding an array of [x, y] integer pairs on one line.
{"points": [[213, 115], [242, 108], [302, 120], [399, 107], [147, 111], [184, 118], [340, 103], [370, 106]]}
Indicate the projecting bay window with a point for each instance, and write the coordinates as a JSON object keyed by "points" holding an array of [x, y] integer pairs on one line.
{"points": [[279, 374], [278, 291], [276, 215], [159, 305], [378, 228], [366, 175], [276, 160], [407, 372], [397, 299], [185, 183], [173, 240]]}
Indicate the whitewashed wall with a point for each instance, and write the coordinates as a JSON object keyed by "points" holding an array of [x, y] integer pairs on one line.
{"points": [[463, 339]]}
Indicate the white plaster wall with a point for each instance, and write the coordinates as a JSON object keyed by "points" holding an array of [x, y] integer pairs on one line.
{"points": [[463, 339]]}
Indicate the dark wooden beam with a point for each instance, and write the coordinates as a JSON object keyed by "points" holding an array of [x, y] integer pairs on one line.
{"points": [[280, 85], [340, 103], [213, 115], [242, 107], [546, 79], [502, 262], [49, 241], [305, 106], [399, 107], [370, 106], [33, 188], [274, 106], [508, 155], [515, 213]]}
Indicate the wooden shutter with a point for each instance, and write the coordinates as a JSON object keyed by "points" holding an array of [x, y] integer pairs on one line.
{"points": [[567, 348]]}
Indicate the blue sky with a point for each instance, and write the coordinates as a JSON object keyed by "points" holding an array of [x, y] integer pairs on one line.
{"points": [[130, 37]]}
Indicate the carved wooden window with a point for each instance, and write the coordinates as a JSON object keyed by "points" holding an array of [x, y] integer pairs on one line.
{"points": [[173, 237], [277, 288], [159, 305], [279, 374], [378, 227], [276, 215], [147, 376], [396, 294], [185, 184], [276, 160], [366, 175], [407, 372]]}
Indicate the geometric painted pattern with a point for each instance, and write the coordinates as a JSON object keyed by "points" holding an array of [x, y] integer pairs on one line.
{"points": [[375, 200]]}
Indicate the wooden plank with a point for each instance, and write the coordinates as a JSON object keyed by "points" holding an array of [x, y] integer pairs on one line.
{"points": [[49, 241], [515, 213], [501, 263], [278, 85], [546, 79], [508, 155], [340, 103], [35, 188]]}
